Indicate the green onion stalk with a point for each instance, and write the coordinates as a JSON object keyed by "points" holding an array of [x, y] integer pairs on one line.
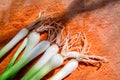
{"points": [[11, 63]]}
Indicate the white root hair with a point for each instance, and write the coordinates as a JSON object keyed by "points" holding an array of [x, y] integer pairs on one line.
{"points": [[80, 55]]}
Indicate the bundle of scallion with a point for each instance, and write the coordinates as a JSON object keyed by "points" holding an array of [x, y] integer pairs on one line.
{"points": [[50, 59], [32, 49], [37, 50]]}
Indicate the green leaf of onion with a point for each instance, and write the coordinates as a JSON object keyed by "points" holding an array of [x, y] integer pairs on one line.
{"points": [[17, 53]]}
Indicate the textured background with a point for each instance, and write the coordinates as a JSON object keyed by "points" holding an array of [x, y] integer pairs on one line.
{"points": [[99, 19]]}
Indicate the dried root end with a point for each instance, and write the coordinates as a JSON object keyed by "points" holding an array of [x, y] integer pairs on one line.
{"points": [[80, 55], [84, 58]]}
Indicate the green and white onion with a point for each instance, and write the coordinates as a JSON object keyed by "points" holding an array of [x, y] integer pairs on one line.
{"points": [[20, 35], [24, 43], [52, 64], [50, 52], [66, 70], [37, 50]]}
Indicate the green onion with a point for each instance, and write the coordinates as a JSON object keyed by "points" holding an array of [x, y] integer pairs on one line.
{"points": [[37, 50], [66, 70], [53, 63], [17, 53], [33, 40], [52, 50], [20, 35]]}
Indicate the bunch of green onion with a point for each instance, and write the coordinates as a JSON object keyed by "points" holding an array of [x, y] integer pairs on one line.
{"points": [[50, 59], [32, 50]]}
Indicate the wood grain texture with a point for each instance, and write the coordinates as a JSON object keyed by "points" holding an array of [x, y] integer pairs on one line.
{"points": [[100, 22]]}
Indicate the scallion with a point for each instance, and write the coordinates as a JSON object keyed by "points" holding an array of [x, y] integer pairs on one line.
{"points": [[13, 42], [66, 70], [51, 51], [30, 43], [53, 63], [33, 40], [17, 53]]}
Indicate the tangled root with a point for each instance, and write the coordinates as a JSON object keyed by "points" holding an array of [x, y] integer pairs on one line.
{"points": [[55, 31], [82, 54]]}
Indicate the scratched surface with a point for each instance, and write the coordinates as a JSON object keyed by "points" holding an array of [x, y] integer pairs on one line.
{"points": [[99, 19]]}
